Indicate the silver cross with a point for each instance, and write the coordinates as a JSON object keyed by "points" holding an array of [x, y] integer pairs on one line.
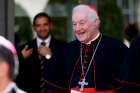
{"points": [[82, 84]]}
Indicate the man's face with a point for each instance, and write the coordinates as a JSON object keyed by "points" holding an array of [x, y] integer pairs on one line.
{"points": [[42, 27], [84, 27]]}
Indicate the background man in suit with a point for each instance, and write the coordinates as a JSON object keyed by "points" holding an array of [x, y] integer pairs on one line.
{"points": [[41, 59], [92, 61], [8, 67]]}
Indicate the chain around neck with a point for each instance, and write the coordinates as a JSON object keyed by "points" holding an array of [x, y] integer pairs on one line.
{"points": [[96, 48]]}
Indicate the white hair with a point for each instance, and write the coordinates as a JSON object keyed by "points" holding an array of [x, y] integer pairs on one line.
{"points": [[86, 8]]}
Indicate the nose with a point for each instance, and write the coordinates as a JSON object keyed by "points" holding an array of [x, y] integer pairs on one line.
{"points": [[42, 28]]}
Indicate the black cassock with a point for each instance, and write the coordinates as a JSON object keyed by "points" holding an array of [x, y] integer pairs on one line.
{"points": [[105, 65]]}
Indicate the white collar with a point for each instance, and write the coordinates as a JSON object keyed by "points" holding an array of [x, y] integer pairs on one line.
{"points": [[94, 38], [47, 41], [10, 86]]}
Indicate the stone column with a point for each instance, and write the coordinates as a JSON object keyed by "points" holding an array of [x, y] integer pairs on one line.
{"points": [[7, 19]]}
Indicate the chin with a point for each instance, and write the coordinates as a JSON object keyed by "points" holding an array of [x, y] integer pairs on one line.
{"points": [[43, 37], [82, 41]]}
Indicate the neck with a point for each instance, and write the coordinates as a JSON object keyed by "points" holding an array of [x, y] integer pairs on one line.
{"points": [[4, 83], [43, 38]]}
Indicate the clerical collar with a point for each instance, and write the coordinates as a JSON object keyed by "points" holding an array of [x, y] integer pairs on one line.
{"points": [[96, 37], [47, 41], [82, 81]]}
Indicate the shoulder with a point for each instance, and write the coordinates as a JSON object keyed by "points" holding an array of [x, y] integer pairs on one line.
{"points": [[58, 42], [136, 42], [31, 42], [113, 42], [135, 46], [72, 47], [74, 43]]}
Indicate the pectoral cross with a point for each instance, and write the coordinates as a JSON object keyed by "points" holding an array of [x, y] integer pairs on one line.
{"points": [[82, 84]]}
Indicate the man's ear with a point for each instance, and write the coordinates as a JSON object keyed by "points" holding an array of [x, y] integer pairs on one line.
{"points": [[97, 21], [33, 28], [51, 26]]}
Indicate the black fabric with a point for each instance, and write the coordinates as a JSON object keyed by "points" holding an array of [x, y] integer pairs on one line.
{"points": [[108, 58], [42, 80], [130, 69], [29, 76]]}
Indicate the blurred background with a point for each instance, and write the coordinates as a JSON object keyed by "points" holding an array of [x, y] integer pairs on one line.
{"points": [[119, 18]]}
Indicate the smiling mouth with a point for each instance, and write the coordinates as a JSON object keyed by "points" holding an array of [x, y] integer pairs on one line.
{"points": [[81, 33]]}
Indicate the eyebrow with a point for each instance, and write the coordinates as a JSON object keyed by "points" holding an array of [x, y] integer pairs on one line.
{"points": [[83, 20]]}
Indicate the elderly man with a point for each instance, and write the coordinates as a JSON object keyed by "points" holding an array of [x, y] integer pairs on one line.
{"points": [[92, 60], [8, 67]]}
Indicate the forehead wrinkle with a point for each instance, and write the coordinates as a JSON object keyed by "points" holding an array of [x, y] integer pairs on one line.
{"points": [[79, 16]]}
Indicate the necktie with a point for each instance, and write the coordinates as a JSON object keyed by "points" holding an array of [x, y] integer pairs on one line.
{"points": [[43, 43], [42, 80]]}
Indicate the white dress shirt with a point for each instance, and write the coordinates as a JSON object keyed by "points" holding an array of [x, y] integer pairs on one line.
{"points": [[47, 41], [47, 44]]}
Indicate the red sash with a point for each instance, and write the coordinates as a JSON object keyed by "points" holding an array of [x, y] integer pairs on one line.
{"points": [[93, 90]]}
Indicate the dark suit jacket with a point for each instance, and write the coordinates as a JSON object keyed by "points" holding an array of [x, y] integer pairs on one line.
{"points": [[130, 69], [29, 73], [108, 58]]}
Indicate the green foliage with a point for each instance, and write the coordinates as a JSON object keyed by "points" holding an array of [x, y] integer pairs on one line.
{"points": [[59, 28], [111, 18], [24, 31]]}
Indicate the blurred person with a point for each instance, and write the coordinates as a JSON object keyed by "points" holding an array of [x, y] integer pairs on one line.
{"points": [[8, 67], [130, 69], [41, 60], [92, 61], [130, 33]]}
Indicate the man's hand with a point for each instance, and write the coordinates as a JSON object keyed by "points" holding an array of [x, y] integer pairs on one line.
{"points": [[26, 52], [42, 50]]}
